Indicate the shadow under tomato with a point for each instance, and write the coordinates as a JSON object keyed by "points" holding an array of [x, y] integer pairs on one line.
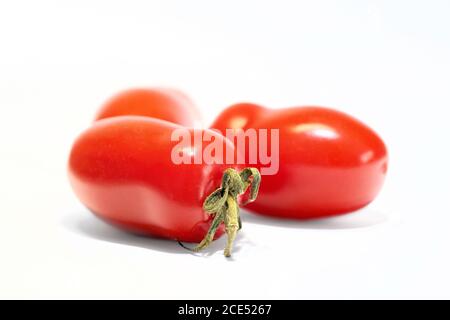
{"points": [[86, 224], [363, 218]]}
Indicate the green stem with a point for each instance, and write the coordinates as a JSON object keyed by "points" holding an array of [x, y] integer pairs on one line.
{"points": [[223, 204]]}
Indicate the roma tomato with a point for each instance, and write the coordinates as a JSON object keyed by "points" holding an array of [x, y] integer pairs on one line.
{"points": [[329, 162], [127, 171], [161, 103]]}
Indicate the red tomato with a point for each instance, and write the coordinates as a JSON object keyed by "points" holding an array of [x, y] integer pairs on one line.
{"points": [[121, 169], [136, 173], [329, 162], [161, 103]]}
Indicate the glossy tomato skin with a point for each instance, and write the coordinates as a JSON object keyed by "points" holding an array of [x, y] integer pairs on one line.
{"points": [[121, 169], [329, 162], [161, 103]]}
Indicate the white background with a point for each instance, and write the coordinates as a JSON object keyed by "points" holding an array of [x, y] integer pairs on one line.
{"points": [[385, 62]]}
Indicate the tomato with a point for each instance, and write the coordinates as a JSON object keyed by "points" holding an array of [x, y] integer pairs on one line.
{"points": [[161, 103], [123, 170], [329, 162]]}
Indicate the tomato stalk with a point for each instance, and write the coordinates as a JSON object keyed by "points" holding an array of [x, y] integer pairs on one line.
{"points": [[223, 205]]}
